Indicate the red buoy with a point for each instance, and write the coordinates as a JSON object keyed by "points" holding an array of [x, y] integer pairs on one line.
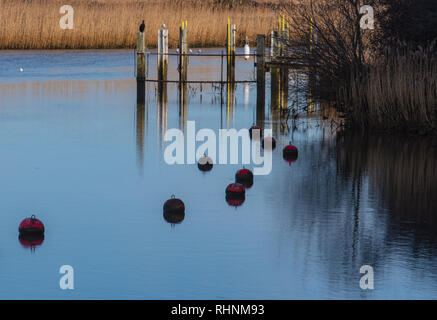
{"points": [[245, 177], [205, 163], [255, 132], [268, 143], [235, 191], [31, 226], [174, 205], [174, 217], [290, 153], [31, 240], [235, 202]]}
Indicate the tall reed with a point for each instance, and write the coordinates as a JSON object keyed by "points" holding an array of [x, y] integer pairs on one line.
{"points": [[399, 91], [34, 24]]}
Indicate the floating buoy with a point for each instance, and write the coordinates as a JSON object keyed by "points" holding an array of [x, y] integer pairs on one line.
{"points": [[31, 226], [255, 132], [31, 240], [244, 177], [174, 217], [269, 142], [205, 163], [235, 191], [174, 205], [290, 153], [174, 210], [235, 202]]}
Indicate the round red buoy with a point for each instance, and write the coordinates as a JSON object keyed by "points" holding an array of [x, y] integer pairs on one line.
{"points": [[205, 163], [255, 132], [174, 206], [235, 191], [268, 143], [31, 240], [290, 153], [245, 177], [235, 202], [174, 217], [31, 226]]}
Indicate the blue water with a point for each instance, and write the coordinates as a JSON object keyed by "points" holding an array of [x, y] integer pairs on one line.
{"points": [[78, 152]]}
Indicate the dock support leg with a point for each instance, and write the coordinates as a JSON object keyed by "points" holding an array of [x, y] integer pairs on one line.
{"points": [[141, 57], [162, 54], [260, 78], [231, 49]]}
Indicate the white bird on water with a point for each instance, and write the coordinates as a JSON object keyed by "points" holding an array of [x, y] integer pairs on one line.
{"points": [[21, 70]]}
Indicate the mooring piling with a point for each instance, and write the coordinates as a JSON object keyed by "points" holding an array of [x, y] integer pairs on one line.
{"points": [[260, 72], [162, 54], [141, 57], [183, 73], [231, 49], [183, 51], [279, 70], [274, 44]]}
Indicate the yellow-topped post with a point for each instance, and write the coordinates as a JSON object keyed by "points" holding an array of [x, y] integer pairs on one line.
{"points": [[230, 50]]}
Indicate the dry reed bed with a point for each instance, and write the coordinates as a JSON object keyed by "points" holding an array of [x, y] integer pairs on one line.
{"points": [[34, 24], [399, 92]]}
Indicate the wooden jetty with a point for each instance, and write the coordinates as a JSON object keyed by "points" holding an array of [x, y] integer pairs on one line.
{"points": [[275, 63]]}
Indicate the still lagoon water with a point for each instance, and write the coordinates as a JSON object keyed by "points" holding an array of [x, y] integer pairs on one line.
{"points": [[78, 151]]}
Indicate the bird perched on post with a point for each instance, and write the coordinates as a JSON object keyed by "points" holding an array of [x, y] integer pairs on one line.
{"points": [[142, 26]]}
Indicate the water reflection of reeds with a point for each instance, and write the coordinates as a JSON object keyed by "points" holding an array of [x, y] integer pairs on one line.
{"points": [[401, 170], [63, 89]]}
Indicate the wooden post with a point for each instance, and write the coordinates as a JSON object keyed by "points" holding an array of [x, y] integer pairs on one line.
{"points": [[260, 75], [141, 91], [183, 58], [230, 50], [162, 54], [274, 45], [285, 36], [141, 97], [141, 57], [183, 68]]}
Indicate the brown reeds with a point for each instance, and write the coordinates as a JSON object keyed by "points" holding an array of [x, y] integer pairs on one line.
{"points": [[399, 91], [34, 24], [376, 88]]}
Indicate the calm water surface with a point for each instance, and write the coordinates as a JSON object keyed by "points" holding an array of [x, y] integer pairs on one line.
{"points": [[77, 151]]}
